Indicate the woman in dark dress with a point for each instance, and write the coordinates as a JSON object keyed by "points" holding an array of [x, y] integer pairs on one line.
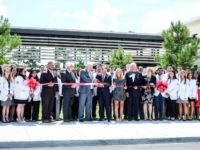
{"points": [[147, 97], [119, 86]]}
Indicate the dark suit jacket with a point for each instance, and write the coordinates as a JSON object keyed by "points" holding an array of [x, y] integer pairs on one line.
{"points": [[107, 84], [85, 78], [46, 78], [139, 80], [67, 78]]}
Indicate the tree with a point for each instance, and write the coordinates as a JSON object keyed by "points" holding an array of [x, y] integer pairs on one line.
{"points": [[7, 41], [181, 49], [79, 65], [119, 58], [57, 65]]}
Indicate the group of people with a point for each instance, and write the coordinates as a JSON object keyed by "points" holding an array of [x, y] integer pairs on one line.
{"points": [[120, 94]]}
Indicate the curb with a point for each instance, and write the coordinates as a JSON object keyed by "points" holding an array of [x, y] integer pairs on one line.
{"points": [[71, 143]]}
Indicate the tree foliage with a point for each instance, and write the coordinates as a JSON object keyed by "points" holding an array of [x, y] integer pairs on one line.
{"points": [[79, 65], [7, 41], [181, 49], [119, 58]]}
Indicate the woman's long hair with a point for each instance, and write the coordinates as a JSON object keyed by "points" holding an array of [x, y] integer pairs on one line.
{"points": [[31, 74], [10, 79], [121, 74], [20, 73]]}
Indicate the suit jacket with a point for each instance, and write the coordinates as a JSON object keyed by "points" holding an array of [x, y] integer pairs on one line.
{"points": [[107, 84], [138, 80], [68, 78], [46, 78], [85, 78]]}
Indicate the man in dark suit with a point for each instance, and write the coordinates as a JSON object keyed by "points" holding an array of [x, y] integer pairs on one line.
{"points": [[85, 94], [134, 80], [68, 92], [103, 93], [48, 92]]}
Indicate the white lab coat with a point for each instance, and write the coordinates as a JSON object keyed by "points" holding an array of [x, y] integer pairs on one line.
{"points": [[192, 89], [182, 92], [162, 77], [5, 89], [21, 89], [37, 93], [173, 87]]}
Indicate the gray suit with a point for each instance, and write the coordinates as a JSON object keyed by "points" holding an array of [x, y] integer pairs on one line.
{"points": [[85, 95]]}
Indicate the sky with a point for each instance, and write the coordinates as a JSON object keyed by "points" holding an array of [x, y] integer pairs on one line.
{"points": [[140, 16]]}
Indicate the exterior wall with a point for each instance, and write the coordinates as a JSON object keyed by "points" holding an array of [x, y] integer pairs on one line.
{"points": [[94, 47]]}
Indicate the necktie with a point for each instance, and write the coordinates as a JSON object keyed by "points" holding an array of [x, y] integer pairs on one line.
{"points": [[103, 77], [52, 73]]}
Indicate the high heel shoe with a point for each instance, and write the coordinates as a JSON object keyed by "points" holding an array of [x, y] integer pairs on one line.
{"points": [[7, 120], [3, 120]]}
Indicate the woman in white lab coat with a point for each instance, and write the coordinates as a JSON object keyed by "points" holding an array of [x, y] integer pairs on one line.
{"points": [[172, 93], [6, 95], [32, 107], [183, 96], [192, 93], [13, 105], [21, 93]]}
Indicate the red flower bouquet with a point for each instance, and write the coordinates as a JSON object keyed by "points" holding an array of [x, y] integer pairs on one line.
{"points": [[161, 86], [32, 83]]}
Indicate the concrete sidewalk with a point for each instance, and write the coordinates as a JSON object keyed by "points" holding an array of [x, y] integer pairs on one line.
{"points": [[97, 133]]}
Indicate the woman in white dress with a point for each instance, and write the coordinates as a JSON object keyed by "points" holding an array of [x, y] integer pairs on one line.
{"points": [[13, 105], [192, 94], [183, 96], [6, 86], [172, 94], [21, 93]]}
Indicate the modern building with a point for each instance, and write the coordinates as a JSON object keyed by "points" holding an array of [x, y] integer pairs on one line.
{"points": [[63, 46], [194, 27]]}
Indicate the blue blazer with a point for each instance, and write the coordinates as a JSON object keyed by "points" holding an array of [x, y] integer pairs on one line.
{"points": [[85, 78], [107, 84]]}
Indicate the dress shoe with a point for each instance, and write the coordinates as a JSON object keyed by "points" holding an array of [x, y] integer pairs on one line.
{"points": [[66, 120], [46, 121], [88, 119], [100, 119], [58, 119], [81, 120]]}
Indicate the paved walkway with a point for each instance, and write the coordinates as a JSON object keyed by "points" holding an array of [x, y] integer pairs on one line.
{"points": [[97, 133]]}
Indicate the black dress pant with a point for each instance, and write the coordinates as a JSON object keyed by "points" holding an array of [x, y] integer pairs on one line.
{"points": [[141, 110], [67, 107], [133, 104], [27, 110], [0, 111], [47, 104], [173, 108], [104, 100], [94, 106], [32, 110], [168, 107], [75, 106], [126, 108]]}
